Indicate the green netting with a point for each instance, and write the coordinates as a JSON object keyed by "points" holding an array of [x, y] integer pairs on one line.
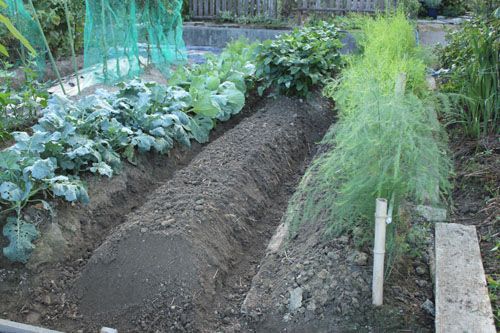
{"points": [[123, 35], [24, 22]]}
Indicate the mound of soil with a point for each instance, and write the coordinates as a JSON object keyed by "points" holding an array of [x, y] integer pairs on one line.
{"points": [[160, 269], [69, 237], [183, 252]]}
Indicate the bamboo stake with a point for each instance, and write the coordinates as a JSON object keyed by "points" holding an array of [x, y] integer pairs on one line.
{"points": [[23, 53], [379, 252], [51, 57], [104, 43], [72, 44]]}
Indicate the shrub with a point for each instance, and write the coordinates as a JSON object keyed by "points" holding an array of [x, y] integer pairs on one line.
{"points": [[453, 7], [473, 57], [296, 62], [411, 7]]}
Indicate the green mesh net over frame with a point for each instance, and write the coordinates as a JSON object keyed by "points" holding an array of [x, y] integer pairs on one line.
{"points": [[24, 22], [121, 36]]}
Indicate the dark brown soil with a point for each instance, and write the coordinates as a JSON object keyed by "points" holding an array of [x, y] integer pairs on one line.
{"points": [[476, 201], [160, 270], [334, 279], [69, 237], [184, 259]]}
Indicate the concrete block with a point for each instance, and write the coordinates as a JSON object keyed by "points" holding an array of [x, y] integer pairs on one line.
{"points": [[431, 214], [462, 301], [7, 326]]}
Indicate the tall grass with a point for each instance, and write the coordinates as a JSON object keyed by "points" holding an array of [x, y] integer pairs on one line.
{"points": [[474, 56], [388, 141]]}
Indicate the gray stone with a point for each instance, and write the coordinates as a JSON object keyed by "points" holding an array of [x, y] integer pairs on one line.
{"points": [[429, 307], [343, 239], [108, 330], [323, 274], [277, 239], [7, 326], [360, 258], [168, 222], [332, 255], [295, 300], [462, 301], [431, 214], [421, 283], [420, 270], [311, 306]]}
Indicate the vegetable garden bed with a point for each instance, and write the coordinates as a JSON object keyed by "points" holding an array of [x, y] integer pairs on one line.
{"points": [[172, 258]]}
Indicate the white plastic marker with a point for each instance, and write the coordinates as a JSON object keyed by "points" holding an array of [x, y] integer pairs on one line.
{"points": [[379, 252]]}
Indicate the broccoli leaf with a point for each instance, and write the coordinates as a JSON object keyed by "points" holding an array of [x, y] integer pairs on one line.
{"points": [[42, 169], [11, 192], [21, 235], [71, 190], [9, 160]]}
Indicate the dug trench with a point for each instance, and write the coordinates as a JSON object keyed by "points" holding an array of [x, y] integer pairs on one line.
{"points": [[183, 258]]}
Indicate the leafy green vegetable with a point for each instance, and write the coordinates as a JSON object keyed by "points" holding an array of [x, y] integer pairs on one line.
{"points": [[92, 134], [296, 62]]}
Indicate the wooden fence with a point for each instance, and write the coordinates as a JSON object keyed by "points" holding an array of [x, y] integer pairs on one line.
{"points": [[210, 9]]}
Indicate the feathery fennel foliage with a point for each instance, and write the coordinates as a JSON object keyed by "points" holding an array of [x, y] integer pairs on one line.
{"points": [[387, 143], [389, 48]]}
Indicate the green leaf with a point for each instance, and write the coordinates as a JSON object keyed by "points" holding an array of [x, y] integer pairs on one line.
{"points": [[3, 50], [159, 132], [71, 190], [129, 154], [162, 145], [102, 168], [42, 169], [9, 160], [143, 142], [235, 98], [11, 192], [200, 128], [16, 33], [261, 89], [205, 105], [21, 235], [212, 83]]}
